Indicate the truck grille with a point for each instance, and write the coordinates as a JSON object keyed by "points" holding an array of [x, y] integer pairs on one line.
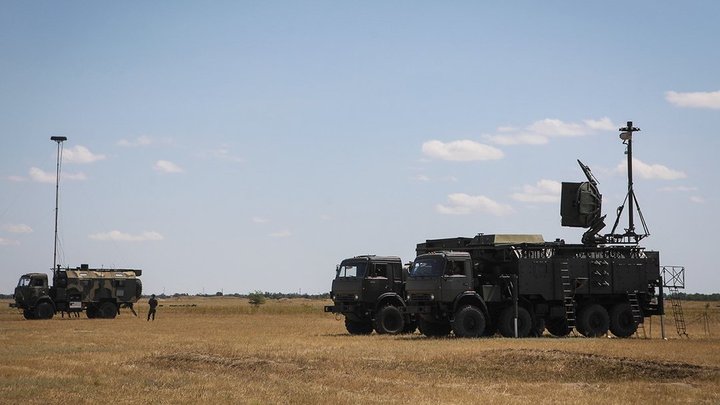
{"points": [[420, 297], [345, 297]]}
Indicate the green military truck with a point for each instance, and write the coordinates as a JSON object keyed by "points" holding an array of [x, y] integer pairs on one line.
{"points": [[99, 292], [491, 283], [369, 291]]}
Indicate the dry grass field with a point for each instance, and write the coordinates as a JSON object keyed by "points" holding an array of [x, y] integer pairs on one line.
{"points": [[220, 351]]}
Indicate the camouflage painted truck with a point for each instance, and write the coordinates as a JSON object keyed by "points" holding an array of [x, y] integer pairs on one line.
{"points": [[369, 291], [99, 292]]}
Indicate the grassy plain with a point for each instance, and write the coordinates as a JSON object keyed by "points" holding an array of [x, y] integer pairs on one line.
{"points": [[221, 351]]}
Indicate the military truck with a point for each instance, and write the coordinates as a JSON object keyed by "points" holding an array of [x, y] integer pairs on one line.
{"points": [[519, 284], [99, 292], [369, 291], [479, 286]]}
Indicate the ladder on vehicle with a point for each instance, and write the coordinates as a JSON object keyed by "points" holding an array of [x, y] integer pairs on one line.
{"points": [[677, 312], [568, 294], [637, 314]]}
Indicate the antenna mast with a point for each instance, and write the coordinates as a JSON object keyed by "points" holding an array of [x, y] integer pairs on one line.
{"points": [[630, 236], [59, 140]]}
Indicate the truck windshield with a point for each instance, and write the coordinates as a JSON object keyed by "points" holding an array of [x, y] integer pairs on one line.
{"points": [[24, 282], [428, 267], [352, 270]]}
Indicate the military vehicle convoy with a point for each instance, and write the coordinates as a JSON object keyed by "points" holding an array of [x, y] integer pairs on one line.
{"points": [[520, 285], [99, 292], [369, 291]]}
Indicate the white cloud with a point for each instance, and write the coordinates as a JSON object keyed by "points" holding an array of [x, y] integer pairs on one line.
{"points": [[281, 234], [8, 242], [699, 99], [80, 154], [651, 171], [126, 237], [540, 132], [139, 141], [555, 127], [166, 166], [517, 139], [672, 189], [222, 154], [544, 191], [463, 204], [16, 179], [463, 150], [421, 177], [697, 199], [603, 124], [42, 176], [259, 220], [17, 228]]}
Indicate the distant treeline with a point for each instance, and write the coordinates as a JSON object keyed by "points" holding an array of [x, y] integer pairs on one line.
{"points": [[698, 297], [325, 296], [266, 294]]}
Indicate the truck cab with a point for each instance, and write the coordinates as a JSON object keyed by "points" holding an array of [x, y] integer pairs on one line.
{"points": [[440, 287], [368, 290], [32, 295]]}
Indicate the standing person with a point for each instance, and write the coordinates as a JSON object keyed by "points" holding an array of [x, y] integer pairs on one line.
{"points": [[153, 304]]}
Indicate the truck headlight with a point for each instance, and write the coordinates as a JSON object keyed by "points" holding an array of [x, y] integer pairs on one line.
{"points": [[356, 297], [432, 297]]}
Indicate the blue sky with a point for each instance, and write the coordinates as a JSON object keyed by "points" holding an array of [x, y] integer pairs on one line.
{"points": [[238, 146]]}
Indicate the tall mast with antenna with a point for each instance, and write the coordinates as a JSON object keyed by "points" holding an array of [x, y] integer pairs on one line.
{"points": [[59, 140]]}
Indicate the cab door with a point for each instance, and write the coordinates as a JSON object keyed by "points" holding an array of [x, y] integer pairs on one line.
{"points": [[455, 280], [378, 281]]}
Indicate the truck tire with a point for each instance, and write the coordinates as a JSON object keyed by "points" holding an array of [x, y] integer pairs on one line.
{"points": [[434, 329], [389, 320], [506, 322], [558, 327], [622, 321], [593, 321], [28, 314], [358, 327], [44, 310], [91, 312], [469, 322], [107, 310], [138, 289]]}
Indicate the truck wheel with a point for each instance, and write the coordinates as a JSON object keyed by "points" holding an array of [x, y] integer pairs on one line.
{"points": [[44, 310], [558, 327], [91, 312], [28, 314], [358, 327], [389, 320], [434, 329], [469, 322], [593, 321], [622, 321], [107, 310], [506, 322]]}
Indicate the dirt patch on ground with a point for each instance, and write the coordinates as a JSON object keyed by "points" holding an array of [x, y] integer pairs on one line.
{"points": [[196, 361], [571, 366]]}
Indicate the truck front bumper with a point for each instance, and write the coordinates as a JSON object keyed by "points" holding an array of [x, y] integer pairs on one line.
{"points": [[340, 308]]}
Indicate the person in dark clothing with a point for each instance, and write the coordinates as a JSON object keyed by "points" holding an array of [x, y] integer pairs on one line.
{"points": [[153, 304]]}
